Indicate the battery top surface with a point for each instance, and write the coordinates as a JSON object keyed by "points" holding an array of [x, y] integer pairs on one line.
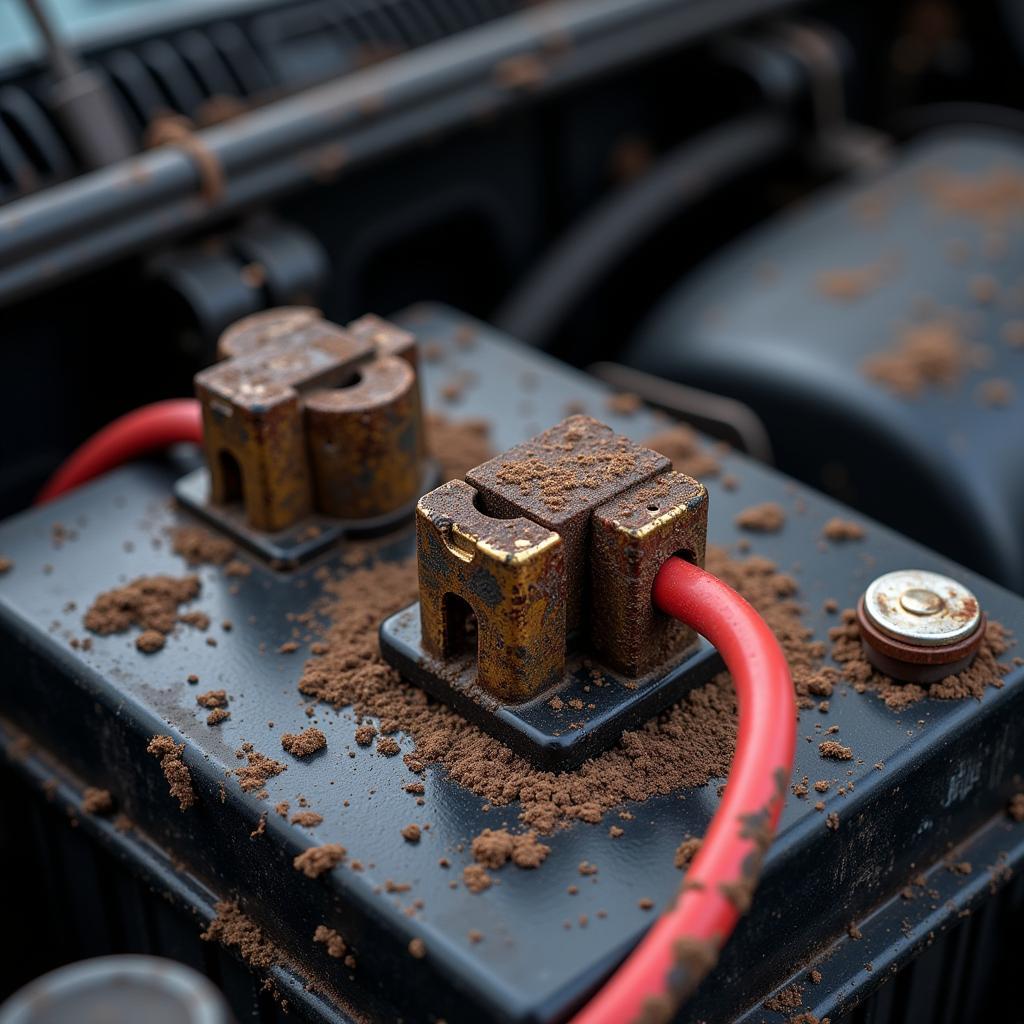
{"points": [[534, 943]]}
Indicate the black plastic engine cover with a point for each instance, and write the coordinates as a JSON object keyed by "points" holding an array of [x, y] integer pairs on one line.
{"points": [[938, 238]]}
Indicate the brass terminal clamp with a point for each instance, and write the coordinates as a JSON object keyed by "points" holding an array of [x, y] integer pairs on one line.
{"points": [[309, 428], [550, 550]]}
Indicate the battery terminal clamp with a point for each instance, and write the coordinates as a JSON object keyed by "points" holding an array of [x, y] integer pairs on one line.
{"points": [[311, 432], [551, 549]]}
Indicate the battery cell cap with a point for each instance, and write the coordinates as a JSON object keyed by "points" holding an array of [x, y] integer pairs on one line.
{"points": [[922, 608]]}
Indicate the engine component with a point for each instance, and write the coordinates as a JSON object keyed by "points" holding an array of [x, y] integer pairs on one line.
{"points": [[207, 286], [887, 313]]}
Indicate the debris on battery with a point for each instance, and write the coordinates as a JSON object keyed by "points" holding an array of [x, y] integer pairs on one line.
{"points": [[212, 699], [686, 746], [986, 670], [835, 750], [305, 743], [839, 530], [232, 927], [789, 1000], [682, 446], [199, 546], [996, 392], [768, 517], [314, 861], [332, 941], [149, 602], [993, 196], [476, 879], [932, 353], [150, 641], [686, 851], [851, 283], [97, 801], [179, 778], [493, 848], [257, 771]]}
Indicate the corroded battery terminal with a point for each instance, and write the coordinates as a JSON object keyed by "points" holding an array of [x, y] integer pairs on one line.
{"points": [[919, 626], [311, 428], [551, 550]]}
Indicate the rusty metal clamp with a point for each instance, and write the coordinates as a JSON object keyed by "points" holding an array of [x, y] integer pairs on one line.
{"points": [[303, 416], [557, 542]]}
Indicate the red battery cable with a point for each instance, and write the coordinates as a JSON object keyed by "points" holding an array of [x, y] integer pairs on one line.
{"points": [[682, 946], [136, 433]]}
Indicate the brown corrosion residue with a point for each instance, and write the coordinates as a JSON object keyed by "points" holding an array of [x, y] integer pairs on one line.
{"points": [[149, 602], [199, 546], [994, 196], [847, 284], [258, 768], [839, 530], [495, 847], [179, 778], [768, 517], [302, 744], [986, 669], [683, 447], [685, 746], [933, 353], [97, 801], [319, 859]]}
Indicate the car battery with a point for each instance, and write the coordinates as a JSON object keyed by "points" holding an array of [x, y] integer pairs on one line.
{"points": [[237, 779]]}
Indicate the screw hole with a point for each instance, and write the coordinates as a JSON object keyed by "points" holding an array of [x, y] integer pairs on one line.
{"points": [[652, 508]]}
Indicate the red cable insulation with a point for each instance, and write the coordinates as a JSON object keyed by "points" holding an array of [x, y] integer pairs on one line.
{"points": [[722, 877], [136, 433]]}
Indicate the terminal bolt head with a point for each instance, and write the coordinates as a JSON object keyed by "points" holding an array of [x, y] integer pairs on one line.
{"points": [[919, 626]]}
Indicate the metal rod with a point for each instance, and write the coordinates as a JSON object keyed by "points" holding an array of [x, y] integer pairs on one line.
{"points": [[63, 62], [717, 415], [156, 196]]}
